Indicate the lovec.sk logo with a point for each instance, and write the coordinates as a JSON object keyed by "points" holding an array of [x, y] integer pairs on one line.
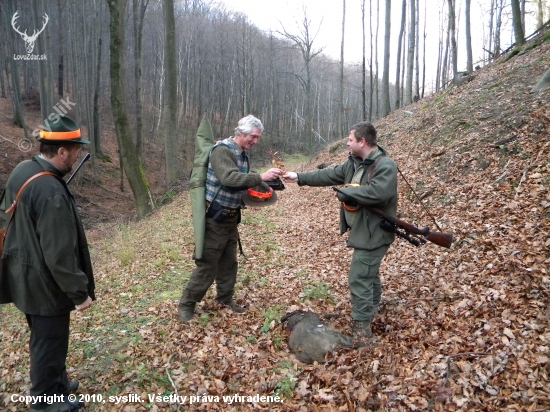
{"points": [[29, 40]]}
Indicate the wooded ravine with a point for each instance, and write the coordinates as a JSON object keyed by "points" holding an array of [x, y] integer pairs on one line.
{"points": [[461, 329]]}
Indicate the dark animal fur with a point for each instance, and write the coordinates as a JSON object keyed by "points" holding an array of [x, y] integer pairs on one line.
{"points": [[311, 338]]}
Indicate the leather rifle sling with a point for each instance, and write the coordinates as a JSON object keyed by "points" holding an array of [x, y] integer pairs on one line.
{"points": [[13, 206]]}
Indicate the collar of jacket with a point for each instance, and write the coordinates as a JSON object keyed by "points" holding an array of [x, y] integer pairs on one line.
{"points": [[367, 162], [47, 166]]}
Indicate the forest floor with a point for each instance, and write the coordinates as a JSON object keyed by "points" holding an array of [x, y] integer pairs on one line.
{"points": [[461, 329]]}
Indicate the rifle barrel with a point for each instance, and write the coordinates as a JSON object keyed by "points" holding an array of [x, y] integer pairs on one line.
{"points": [[86, 158]]}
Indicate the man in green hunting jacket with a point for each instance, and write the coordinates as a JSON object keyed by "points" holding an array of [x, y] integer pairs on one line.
{"points": [[371, 179], [46, 265]]}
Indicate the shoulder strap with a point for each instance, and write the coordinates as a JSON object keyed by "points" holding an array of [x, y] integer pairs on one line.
{"points": [[13, 206], [373, 168], [30, 179]]}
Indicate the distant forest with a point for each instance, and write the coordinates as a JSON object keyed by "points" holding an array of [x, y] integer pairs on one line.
{"points": [[155, 68]]}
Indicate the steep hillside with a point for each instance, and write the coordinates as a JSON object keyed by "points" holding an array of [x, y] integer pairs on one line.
{"points": [[466, 328]]}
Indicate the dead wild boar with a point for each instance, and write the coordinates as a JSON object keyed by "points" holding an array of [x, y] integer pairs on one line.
{"points": [[311, 338]]}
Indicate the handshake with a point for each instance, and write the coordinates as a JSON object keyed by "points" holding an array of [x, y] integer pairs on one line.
{"points": [[273, 178]]}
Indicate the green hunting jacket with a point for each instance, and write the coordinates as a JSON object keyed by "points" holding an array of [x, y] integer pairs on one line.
{"points": [[381, 193], [46, 264]]}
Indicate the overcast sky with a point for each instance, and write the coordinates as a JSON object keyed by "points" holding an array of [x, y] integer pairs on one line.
{"points": [[327, 16]]}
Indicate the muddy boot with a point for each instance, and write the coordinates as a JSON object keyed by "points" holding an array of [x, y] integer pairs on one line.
{"points": [[186, 313], [361, 327], [362, 334], [233, 306]]}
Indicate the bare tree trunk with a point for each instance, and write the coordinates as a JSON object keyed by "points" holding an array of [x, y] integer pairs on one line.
{"points": [[498, 26], [2, 71], [18, 114], [445, 65], [517, 23], [341, 114], [424, 56], [60, 65], [410, 54], [403, 71], [371, 80], [128, 154], [398, 84], [489, 49], [89, 66], [522, 10], [96, 147], [4, 47], [43, 80], [376, 71], [438, 75], [469, 58], [540, 14], [364, 66], [452, 23], [139, 7], [171, 112], [49, 67], [386, 107], [416, 95]]}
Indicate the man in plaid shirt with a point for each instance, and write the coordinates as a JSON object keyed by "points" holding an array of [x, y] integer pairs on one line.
{"points": [[228, 178]]}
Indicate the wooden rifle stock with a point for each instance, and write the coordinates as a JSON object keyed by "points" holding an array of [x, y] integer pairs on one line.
{"points": [[439, 238]]}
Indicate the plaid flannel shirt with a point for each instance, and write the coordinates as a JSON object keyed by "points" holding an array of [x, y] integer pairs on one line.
{"points": [[226, 197]]}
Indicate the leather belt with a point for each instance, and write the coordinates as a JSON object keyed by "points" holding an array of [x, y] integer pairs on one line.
{"points": [[230, 212]]}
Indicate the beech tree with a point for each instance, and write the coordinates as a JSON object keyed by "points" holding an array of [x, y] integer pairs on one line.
{"points": [[517, 21], [398, 84], [138, 13], [171, 102], [363, 66], [128, 153], [386, 107], [341, 127], [15, 86], [410, 53], [452, 23], [469, 58]]}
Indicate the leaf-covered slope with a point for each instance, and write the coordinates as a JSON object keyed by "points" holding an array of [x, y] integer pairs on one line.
{"points": [[465, 328]]}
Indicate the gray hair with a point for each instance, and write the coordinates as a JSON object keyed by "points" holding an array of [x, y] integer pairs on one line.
{"points": [[248, 124]]}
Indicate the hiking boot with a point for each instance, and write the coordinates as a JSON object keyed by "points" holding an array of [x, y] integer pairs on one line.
{"points": [[66, 406], [233, 306], [362, 334], [361, 327], [185, 313]]}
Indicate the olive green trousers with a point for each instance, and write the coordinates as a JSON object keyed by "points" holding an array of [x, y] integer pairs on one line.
{"points": [[219, 264], [364, 282]]}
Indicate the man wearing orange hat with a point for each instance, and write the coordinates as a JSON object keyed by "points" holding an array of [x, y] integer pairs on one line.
{"points": [[46, 265], [229, 183]]}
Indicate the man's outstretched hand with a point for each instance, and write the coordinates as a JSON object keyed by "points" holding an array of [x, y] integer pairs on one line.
{"points": [[290, 177]]}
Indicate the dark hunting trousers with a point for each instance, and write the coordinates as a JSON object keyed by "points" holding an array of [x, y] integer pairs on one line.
{"points": [[48, 348], [219, 264]]}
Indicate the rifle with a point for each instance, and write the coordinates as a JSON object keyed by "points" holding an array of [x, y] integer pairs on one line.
{"points": [[86, 158], [409, 232]]}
